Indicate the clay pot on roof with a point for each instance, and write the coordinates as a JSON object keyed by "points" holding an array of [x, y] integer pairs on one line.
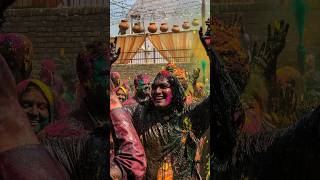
{"points": [[195, 22], [185, 25], [123, 26], [137, 28], [175, 29], [164, 27], [152, 27]]}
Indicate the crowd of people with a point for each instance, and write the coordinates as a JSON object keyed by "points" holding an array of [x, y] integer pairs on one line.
{"points": [[167, 113], [259, 120], [72, 133]]}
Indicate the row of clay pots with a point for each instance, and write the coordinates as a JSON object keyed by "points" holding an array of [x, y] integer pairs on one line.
{"points": [[163, 28], [137, 28]]}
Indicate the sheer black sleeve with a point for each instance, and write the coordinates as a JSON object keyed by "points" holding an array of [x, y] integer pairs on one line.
{"points": [[199, 115], [287, 153], [226, 110]]}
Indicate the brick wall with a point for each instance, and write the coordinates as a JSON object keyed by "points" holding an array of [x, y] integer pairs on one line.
{"points": [[256, 17], [56, 28], [132, 70]]}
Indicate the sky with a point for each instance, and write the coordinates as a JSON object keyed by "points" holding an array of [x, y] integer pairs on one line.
{"points": [[177, 11]]}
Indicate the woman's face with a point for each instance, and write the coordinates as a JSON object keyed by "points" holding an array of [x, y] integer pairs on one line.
{"points": [[161, 93], [36, 107], [121, 95]]}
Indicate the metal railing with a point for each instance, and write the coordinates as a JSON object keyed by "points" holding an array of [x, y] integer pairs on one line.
{"points": [[155, 57], [58, 3]]}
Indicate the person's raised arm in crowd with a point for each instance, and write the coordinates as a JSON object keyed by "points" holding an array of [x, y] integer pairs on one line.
{"points": [[223, 104], [129, 153], [227, 111]]}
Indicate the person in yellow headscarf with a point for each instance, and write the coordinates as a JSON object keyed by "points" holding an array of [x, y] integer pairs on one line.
{"points": [[37, 101], [22, 156], [122, 93]]}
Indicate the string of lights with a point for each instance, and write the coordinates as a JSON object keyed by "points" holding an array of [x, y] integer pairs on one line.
{"points": [[153, 9]]}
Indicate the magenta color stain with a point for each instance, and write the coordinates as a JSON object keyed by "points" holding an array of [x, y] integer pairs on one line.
{"points": [[169, 96]]}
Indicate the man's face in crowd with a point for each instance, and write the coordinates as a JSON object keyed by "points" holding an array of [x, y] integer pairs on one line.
{"points": [[100, 75], [144, 88], [36, 107], [98, 85], [161, 93]]}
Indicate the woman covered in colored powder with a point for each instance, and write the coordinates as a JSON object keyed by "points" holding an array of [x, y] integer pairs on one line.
{"points": [[21, 155], [168, 141], [122, 93], [37, 101]]}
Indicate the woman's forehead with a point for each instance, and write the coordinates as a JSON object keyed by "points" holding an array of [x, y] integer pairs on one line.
{"points": [[35, 94], [120, 91], [161, 80]]}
